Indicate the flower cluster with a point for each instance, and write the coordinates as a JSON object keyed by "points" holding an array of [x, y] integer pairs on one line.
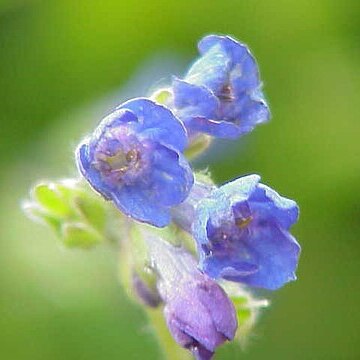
{"points": [[138, 159]]}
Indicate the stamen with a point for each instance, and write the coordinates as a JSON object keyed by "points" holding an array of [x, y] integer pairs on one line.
{"points": [[226, 93], [118, 163], [132, 155], [243, 222]]}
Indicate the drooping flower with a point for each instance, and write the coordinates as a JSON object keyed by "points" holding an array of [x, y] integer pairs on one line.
{"points": [[242, 232], [221, 93], [199, 314], [134, 158]]}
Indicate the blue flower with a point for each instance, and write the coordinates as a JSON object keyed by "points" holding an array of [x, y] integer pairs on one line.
{"points": [[221, 94], [134, 158], [242, 233], [198, 313]]}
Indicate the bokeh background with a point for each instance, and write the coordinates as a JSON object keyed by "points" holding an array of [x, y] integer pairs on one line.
{"points": [[65, 63]]}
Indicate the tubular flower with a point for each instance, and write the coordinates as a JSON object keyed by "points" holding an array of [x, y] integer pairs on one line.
{"points": [[242, 232], [134, 158], [221, 93], [197, 311]]}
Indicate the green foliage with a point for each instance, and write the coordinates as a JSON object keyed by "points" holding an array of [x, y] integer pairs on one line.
{"points": [[76, 215]]}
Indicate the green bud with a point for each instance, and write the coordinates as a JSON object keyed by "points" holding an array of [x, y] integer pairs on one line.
{"points": [[204, 177], [72, 210], [50, 198], [198, 145], [162, 96], [79, 235], [91, 210]]}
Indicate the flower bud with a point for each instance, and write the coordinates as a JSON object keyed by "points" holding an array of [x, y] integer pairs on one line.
{"points": [[199, 314]]}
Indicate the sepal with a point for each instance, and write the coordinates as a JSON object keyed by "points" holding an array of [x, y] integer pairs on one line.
{"points": [[247, 308]]}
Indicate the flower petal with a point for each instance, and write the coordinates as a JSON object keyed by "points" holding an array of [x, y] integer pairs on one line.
{"points": [[89, 172], [210, 70], [171, 177], [276, 252], [157, 123], [137, 202], [193, 100]]}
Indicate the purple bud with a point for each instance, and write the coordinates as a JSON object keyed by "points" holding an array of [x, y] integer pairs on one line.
{"points": [[145, 292], [199, 314]]}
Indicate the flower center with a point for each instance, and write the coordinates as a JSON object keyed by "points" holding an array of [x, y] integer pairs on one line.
{"points": [[226, 94], [116, 165]]}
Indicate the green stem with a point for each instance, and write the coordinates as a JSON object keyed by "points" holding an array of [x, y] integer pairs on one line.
{"points": [[170, 349], [130, 243]]}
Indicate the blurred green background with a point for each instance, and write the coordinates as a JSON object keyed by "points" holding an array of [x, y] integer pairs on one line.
{"points": [[65, 63]]}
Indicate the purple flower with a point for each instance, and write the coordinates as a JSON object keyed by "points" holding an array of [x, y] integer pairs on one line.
{"points": [[221, 94], [242, 233], [198, 313], [134, 158]]}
